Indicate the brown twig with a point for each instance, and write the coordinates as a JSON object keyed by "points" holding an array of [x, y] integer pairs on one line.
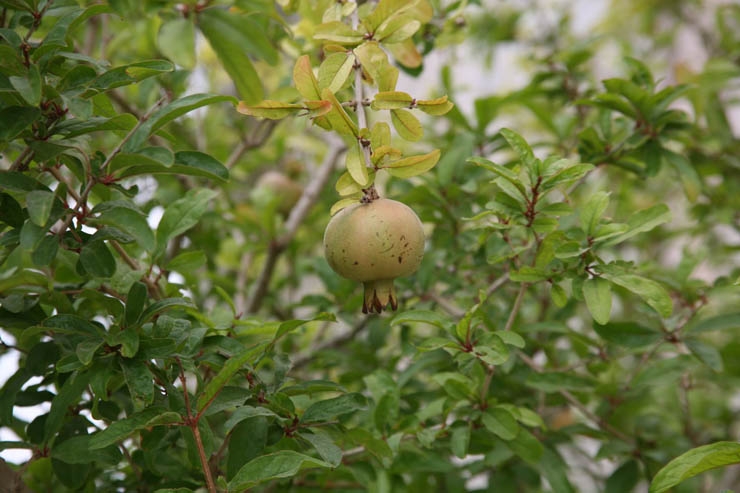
{"points": [[517, 305], [260, 135], [296, 217]]}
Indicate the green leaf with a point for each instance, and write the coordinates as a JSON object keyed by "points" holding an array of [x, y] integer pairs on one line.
{"points": [[625, 478], [325, 410], [247, 440], [232, 365], [693, 462], [422, 316], [183, 214], [706, 353], [15, 119], [412, 165], [76, 450], [356, 166], [39, 203], [281, 464], [248, 412], [135, 300], [139, 380], [69, 394], [97, 260], [164, 304], [725, 321], [176, 41], [500, 422], [75, 127], [128, 220], [628, 334], [650, 291], [643, 221], [501, 171], [692, 183], [190, 163], [326, 448], [168, 113], [228, 43], [526, 446], [460, 440], [128, 74], [335, 71], [598, 295], [407, 125], [119, 430], [520, 146], [28, 85], [291, 325], [592, 211]]}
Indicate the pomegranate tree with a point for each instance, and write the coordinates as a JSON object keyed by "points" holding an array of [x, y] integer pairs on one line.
{"points": [[374, 243], [279, 187]]}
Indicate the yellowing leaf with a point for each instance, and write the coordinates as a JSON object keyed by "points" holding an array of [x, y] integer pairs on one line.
{"points": [[437, 106], [304, 79], [392, 100], [338, 32], [342, 203], [380, 135], [273, 110], [397, 29], [375, 63], [346, 185], [413, 165], [406, 53], [335, 71], [356, 166], [383, 153], [338, 118], [407, 125], [317, 108]]}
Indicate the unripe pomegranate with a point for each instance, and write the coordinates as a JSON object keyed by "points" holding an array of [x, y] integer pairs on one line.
{"points": [[374, 243], [274, 185]]}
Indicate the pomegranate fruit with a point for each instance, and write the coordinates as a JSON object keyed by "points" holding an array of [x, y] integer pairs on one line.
{"points": [[276, 186], [374, 243]]}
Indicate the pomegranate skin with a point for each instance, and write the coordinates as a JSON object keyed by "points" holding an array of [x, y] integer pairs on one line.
{"points": [[375, 243]]}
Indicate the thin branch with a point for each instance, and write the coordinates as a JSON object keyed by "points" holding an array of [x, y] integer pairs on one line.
{"points": [[128, 136], [297, 215], [260, 135], [21, 162], [517, 305], [497, 284], [153, 287], [446, 305]]}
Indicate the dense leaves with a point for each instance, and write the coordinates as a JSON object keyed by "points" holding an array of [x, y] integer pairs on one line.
{"points": [[167, 325]]}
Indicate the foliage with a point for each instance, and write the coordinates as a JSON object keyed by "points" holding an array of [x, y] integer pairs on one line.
{"points": [[176, 330]]}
